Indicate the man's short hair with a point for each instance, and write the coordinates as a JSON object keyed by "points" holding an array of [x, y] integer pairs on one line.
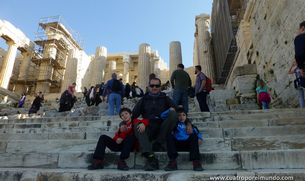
{"points": [[180, 65], [302, 24], [113, 75], [198, 67], [124, 109], [155, 79], [181, 110], [151, 76], [74, 84]]}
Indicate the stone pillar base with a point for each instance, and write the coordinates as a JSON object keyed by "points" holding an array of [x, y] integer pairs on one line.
{"points": [[43, 87]]}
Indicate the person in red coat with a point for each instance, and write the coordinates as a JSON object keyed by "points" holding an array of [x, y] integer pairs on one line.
{"points": [[124, 142]]}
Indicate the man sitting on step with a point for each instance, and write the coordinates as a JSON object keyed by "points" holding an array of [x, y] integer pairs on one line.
{"points": [[151, 106]]}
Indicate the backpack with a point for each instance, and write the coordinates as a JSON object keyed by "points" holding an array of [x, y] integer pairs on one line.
{"points": [[116, 86], [208, 84]]}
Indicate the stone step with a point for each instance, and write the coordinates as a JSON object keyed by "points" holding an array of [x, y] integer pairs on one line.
{"points": [[23, 174], [208, 145], [268, 143], [24, 146], [206, 132], [233, 160], [264, 131], [260, 114], [44, 123]]}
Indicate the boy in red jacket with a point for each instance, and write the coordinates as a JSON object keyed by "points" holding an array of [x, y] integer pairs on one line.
{"points": [[124, 142]]}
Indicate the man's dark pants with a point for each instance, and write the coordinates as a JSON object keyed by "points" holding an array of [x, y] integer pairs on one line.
{"points": [[174, 145], [126, 147], [202, 100], [157, 131]]}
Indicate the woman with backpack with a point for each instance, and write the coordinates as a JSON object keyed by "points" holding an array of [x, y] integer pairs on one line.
{"points": [[263, 94]]}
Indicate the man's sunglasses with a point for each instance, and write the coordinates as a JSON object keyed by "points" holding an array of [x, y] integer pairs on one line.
{"points": [[154, 85]]}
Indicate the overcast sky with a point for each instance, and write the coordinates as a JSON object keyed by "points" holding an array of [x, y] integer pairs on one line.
{"points": [[119, 25]]}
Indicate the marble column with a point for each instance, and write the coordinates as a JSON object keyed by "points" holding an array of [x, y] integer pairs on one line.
{"points": [[99, 66], [205, 54], [24, 68], [144, 64], [71, 70], [195, 53], [111, 70], [45, 74], [126, 71], [175, 56], [152, 65], [8, 64]]}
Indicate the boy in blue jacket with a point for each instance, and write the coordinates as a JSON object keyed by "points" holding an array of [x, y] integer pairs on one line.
{"points": [[181, 141]]}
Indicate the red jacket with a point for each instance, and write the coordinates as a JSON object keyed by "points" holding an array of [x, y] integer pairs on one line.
{"points": [[130, 131]]}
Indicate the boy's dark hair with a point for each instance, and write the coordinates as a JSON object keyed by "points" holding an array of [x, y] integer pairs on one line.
{"points": [[180, 65], [302, 24], [198, 67], [124, 109], [155, 79], [181, 110]]}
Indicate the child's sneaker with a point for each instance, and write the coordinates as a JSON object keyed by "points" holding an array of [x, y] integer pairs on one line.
{"points": [[96, 165], [122, 165], [197, 165], [172, 165]]}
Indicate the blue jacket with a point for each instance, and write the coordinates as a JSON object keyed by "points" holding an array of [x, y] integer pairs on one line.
{"points": [[109, 86], [180, 132]]}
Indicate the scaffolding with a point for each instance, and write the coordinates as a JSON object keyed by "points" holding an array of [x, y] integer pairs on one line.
{"points": [[53, 40]]}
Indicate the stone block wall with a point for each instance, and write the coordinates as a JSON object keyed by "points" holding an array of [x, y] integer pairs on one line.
{"points": [[273, 26], [265, 38]]}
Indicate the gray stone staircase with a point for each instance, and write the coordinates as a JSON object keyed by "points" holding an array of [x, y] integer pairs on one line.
{"points": [[236, 143]]}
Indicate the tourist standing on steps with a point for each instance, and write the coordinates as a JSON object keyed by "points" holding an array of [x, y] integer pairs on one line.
{"points": [[71, 96], [299, 83], [200, 89], [151, 106], [36, 104], [87, 97], [299, 44], [127, 91], [22, 100], [263, 94], [181, 81], [92, 95], [41, 96], [115, 88], [133, 90], [67, 99]]}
